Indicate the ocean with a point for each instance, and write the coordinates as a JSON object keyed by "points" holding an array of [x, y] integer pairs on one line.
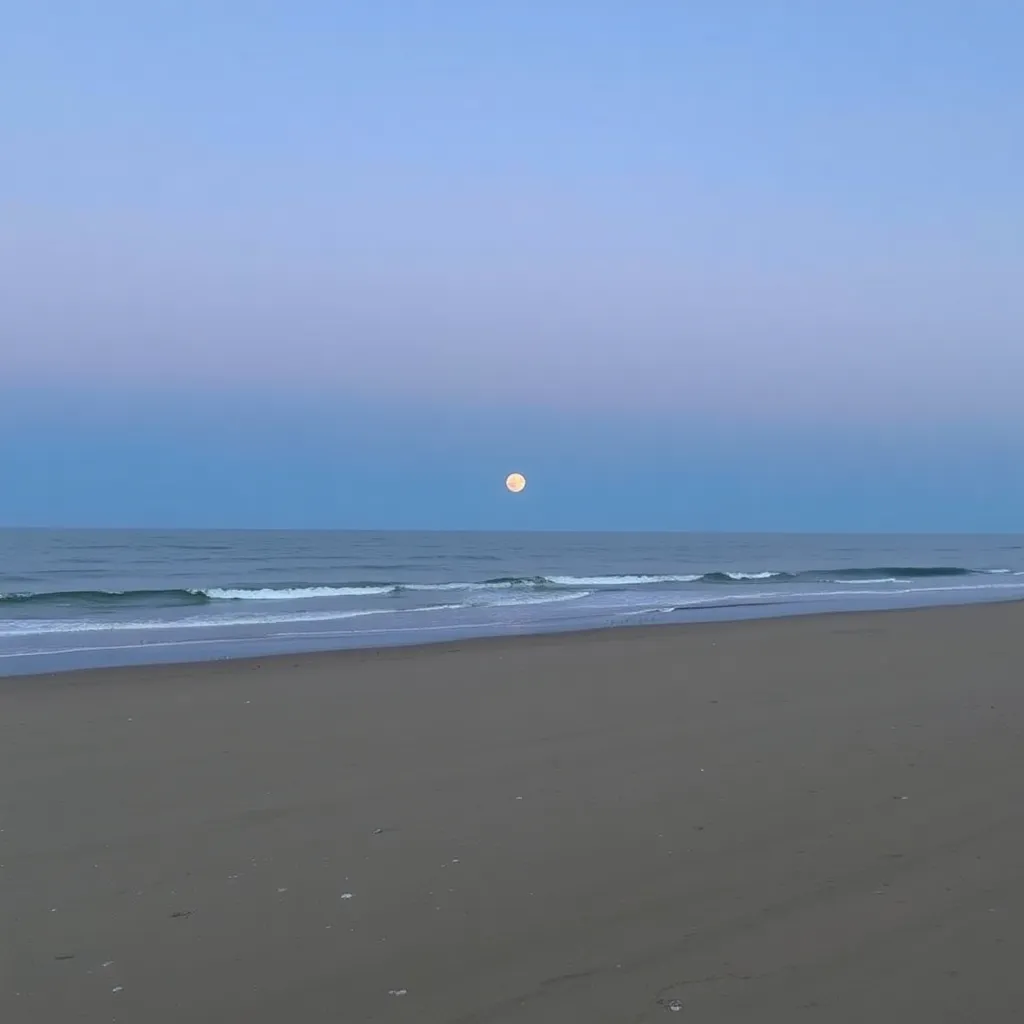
{"points": [[80, 598]]}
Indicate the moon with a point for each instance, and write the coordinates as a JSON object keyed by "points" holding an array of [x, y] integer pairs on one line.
{"points": [[515, 482]]}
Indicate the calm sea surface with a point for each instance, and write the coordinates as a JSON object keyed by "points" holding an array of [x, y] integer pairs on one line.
{"points": [[74, 598]]}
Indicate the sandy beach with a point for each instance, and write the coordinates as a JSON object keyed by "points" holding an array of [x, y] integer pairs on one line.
{"points": [[813, 819]]}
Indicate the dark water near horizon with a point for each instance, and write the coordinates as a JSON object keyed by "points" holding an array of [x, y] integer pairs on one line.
{"points": [[76, 598]]}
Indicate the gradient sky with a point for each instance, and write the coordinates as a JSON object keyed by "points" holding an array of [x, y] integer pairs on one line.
{"points": [[687, 265]]}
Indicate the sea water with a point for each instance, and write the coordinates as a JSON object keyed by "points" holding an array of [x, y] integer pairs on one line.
{"points": [[77, 598]]}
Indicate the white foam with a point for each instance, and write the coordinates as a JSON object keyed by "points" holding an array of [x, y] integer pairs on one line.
{"points": [[42, 627], [751, 575], [435, 586], [796, 595], [617, 581], [849, 583], [531, 599], [462, 627], [290, 593]]}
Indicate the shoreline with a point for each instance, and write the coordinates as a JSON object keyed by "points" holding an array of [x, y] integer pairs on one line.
{"points": [[811, 817], [748, 614]]}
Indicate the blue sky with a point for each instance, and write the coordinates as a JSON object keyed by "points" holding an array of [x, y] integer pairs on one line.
{"points": [[728, 265]]}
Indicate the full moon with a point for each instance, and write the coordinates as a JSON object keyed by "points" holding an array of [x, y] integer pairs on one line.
{"points": [[515, 482]]}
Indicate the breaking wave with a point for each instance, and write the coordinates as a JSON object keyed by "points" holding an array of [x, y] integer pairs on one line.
{"points": [[100, 599]]}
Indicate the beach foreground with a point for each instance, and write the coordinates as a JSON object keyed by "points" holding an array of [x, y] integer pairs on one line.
{"points": [[811, 819]]}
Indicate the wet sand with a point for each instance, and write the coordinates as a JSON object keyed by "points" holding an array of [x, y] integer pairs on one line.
{"points": [[817, 819]]}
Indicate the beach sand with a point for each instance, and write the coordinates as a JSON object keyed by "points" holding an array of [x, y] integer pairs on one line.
{"points": [[815, 819]]}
